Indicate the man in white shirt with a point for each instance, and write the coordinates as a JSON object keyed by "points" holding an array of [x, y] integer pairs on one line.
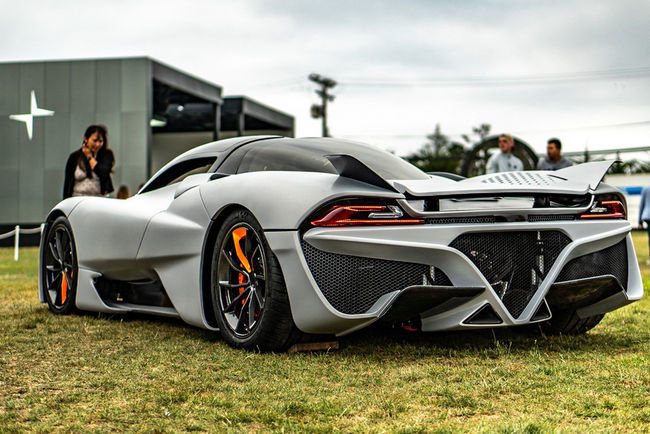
{"points": [[504, 161]]}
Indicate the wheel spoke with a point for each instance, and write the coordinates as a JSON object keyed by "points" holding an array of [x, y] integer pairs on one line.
{"points": [[251, 310], [59, 245], [260, 300], [225, 284], [240, 323], [228, 257], [51, 285], [54, 252], [238, 299], [67, 256], [54, 296], [256, 252]]}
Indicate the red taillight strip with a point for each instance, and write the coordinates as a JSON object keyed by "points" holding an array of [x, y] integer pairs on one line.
{"points": [[615, 208], [341, 216]]}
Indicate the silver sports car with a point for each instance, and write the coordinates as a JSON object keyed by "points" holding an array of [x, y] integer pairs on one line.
{"points": [[266, 239]]}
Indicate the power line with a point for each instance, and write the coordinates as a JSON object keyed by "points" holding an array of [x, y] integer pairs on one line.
{"points": [[629, 73], [516, 132]]}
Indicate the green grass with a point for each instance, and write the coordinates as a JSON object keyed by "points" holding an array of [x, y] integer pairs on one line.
{"points": [[115, 373]]}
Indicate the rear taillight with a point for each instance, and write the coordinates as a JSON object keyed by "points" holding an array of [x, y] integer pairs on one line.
{"points": [[606, 209], [360, 215]]}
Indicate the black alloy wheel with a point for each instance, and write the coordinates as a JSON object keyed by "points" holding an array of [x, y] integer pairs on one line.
{"points": [[241, 273], [249, 296], [59, 267]]}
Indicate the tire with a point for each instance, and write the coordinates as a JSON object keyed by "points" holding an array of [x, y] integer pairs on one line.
{"points": [[249, 296], [567, 322], [59, 267]]}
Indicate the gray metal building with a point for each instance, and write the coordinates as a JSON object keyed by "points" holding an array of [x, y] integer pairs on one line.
{"points": [[152, 111]]}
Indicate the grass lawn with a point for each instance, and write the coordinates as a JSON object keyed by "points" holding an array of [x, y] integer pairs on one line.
{"points": [[116, 373]]}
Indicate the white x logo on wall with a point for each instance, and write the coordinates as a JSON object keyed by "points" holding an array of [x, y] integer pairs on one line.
{"points": [[28, 118]]}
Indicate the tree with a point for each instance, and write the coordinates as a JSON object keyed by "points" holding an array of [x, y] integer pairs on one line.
{"points": [[439, 154], [482, 131]]}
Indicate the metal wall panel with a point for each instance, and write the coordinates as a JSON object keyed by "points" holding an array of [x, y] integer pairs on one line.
{"points": [[135, 76], [82, 87], [9, 195], [133, 138], [52, 187], [9, 91], [9, 132], [57, 87], [108, 86], [58, 141]]}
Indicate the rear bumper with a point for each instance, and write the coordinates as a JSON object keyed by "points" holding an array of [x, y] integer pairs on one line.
{"points": [[430, 245]]}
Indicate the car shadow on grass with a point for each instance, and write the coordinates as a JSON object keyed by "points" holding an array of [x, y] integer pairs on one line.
{"points": [[383, 338], [495, 341]]}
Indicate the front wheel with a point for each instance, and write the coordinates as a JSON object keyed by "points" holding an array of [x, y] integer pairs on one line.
{"points": [[249, 295], [59, 267]]}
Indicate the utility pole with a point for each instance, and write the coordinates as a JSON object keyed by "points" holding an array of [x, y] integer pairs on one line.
{"points": [[320, 111]]}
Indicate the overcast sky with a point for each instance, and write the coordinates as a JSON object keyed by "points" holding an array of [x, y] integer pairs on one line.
{"points": [[579, 70]]}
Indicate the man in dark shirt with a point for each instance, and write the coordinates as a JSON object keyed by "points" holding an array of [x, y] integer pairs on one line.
{"points": [[554, 159]]}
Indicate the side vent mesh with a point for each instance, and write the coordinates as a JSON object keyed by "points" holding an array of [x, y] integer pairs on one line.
{"points": [[612, 260], [352, 284]]}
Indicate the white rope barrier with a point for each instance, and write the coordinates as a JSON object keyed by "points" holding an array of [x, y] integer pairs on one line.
{"points": [[16, 234]]}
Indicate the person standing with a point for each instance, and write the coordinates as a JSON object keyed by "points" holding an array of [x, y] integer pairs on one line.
{"points": [[554, 159], [644, 211], [88, 170], [122, 192], [504, 160]]}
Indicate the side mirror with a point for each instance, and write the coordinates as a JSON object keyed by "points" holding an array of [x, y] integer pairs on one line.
{"points": [[191, 182]]}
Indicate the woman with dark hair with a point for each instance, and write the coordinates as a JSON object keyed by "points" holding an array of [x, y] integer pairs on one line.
{"points": [[88, 170]]}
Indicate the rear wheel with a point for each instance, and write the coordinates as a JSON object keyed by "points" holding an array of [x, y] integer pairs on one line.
{"points": [[563, 322], [567, 322], [249, 295], [59, 267]]}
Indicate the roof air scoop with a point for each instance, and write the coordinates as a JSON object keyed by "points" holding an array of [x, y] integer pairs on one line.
{"points": [[348, 166]]}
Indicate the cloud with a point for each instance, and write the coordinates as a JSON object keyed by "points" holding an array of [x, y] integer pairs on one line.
{"points": [[266, 49]]}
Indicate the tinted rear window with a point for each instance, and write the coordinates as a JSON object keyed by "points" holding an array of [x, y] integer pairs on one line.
{"points": [[305, 155]]}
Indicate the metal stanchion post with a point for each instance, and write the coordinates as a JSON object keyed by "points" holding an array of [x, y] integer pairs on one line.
{"points": [[16, 241]]}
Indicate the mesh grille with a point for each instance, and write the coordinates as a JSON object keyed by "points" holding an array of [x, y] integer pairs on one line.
{"points": [[495, 219], [550, 217], [352, 284], [612, 260], [513, 262], [457, 220], [520, 179]]}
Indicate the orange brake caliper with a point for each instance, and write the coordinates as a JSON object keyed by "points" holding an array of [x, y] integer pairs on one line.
{"points": [[237, 235], [64, 288]]}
